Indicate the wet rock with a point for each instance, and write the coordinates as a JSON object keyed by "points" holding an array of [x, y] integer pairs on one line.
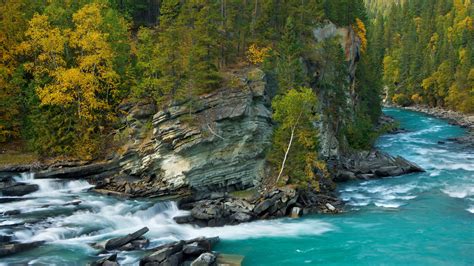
{"points": [[5, 239], [82, 171], [137, 244], [193, 249], [371, 164], [7, 200], [106, 261], [205, 259], [185, 219], [389, 171], [330, 207], [118, 242], [263, 206], [14, 248], [180, 252], [343, 176], [7, 181], [276, 203], [73, 203], [19, 189], [12, 212], [241, 217], [162, 253]]}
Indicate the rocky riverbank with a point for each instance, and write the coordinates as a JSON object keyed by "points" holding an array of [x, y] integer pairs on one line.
{"points": [[218, 209], [454, 118]]}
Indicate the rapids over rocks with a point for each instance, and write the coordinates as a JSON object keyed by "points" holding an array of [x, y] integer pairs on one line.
{"points": [[417, 219]]}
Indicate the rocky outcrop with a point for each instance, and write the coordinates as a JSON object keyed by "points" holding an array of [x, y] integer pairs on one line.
{"points": [[9, 187], [216, 142], [454, 118], [191, 252], [371, 164], [13, 247], [119, 242], [221, 209]]}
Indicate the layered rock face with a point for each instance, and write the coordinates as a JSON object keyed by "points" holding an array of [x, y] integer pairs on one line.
{"points": [[217, 142]]}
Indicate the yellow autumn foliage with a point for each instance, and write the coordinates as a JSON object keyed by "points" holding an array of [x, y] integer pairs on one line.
{"points": [[361, 32], [256, 55]]}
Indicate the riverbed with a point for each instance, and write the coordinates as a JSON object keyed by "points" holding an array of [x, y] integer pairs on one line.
{"points": [[417, 219]]}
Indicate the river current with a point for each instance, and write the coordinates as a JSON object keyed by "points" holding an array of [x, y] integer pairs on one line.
{"points": [[417, 219]]}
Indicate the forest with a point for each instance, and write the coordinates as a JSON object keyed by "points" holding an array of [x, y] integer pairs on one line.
{"points": [[66, 66], [427, 53]]}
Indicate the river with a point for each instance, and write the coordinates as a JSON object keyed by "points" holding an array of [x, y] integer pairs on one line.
{"points": [[417, 219]]}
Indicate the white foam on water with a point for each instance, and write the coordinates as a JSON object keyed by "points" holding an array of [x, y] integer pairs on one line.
{"points": [[470, 209], [459, 192], [392, 205]]}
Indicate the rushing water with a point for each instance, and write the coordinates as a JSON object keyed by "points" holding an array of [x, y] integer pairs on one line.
{"points": [[417, 219]]}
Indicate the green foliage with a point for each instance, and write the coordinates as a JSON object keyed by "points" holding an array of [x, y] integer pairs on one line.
{"points": [[290, 69], [360, 134], [344, 12], [297, 137], [429, 53]]}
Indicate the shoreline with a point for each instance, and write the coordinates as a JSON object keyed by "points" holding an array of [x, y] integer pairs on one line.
{"points": [[452, 117], [462, 120]]}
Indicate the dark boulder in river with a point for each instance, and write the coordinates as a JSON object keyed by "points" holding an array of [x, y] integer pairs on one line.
{"points": [[371, 164], [13, 248], [7, 181], [19, 189], [118, 242], [182, 253]]}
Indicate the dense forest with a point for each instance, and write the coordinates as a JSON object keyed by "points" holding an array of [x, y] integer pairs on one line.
{"points": [[67, 66], [427, 52]]}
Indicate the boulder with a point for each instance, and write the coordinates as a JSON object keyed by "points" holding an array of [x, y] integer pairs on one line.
{"points": [[106, 261], [19, 189], [389, 171], [343, 176], [5, 239], [162, 253], [205, 259], [14, 248], [194, 249], [12, 212], [118, 242], [185, 219], [263, 206], [137, 244], [7, 181], [78, 171]]}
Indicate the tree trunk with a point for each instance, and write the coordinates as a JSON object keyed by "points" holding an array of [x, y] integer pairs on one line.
{"points": [[289, 145], [286, 153]]}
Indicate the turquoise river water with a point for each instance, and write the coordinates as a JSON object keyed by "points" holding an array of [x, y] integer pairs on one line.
{"points": [[416, 219]]}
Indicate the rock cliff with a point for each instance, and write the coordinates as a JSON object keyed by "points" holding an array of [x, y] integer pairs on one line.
{"points": [[216, 142]]}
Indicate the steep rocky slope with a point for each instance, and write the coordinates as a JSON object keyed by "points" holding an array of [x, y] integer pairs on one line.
{"points": [[217, 142]]}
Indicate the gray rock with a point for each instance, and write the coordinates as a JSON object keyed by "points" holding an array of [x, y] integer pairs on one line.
{"points": [[106, 261], [330, 207], [162, 253], [205, 259], [7, 181], [263, 206], [389, 171], [241, 217], [343, 176], [14, 248], [185, 219], [12, 212], [19, 189], [194, 249], [115, 243], [5, 239]]}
